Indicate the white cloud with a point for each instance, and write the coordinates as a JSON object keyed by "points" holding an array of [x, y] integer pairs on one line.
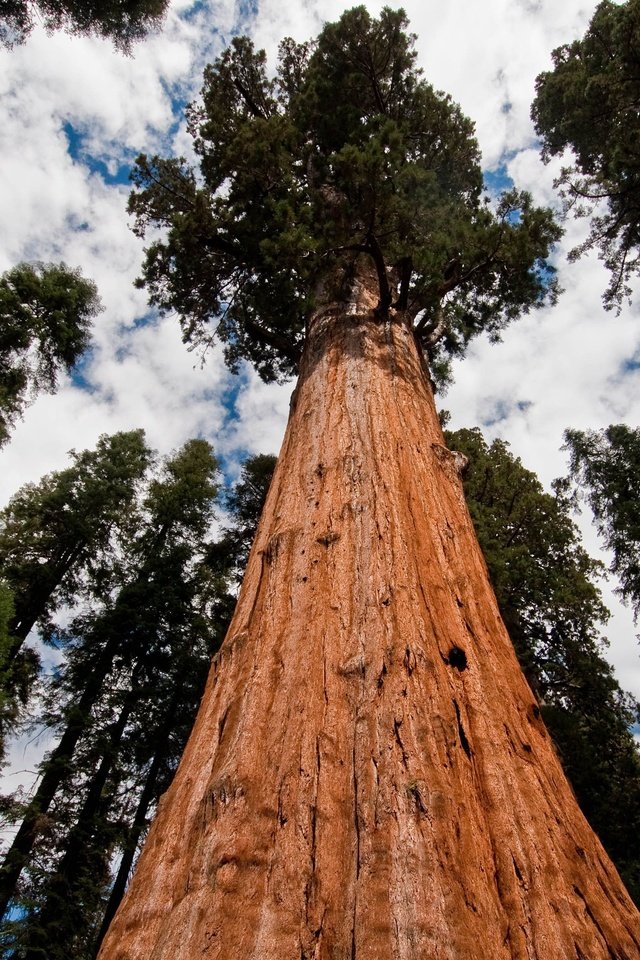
{"points": [[262, 412]]}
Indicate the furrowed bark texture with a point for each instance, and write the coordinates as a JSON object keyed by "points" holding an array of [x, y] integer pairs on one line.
{"points": [[369, 776]]}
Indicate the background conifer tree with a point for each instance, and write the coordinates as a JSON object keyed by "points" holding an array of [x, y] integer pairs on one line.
{"points": [[605, 466], [46, 312], [588, 103], [59, 543], [123, 700]]}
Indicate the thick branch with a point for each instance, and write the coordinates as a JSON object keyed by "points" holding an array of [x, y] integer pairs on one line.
{"points": [[271, 339], [373, 247], [248, 99], [406, 269], [455, 279], [432, 328]]}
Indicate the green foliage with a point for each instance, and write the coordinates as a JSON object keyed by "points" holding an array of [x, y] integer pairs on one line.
{"points": [[589, 103], [543, 581], [123, 702], [122, 21], [606, 465], [245, 501], [45, 319], [6, 616], [58, 541], [8, 704], [346, 153]]}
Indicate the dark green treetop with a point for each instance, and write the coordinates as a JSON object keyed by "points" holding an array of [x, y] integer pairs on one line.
{"points": [[346, 151], [122, 21], [606, 465], [589, 103], [50, 532], [45, 320]]}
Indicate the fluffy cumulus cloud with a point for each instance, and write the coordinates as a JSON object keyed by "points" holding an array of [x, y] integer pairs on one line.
{"points": [[74, 114]]}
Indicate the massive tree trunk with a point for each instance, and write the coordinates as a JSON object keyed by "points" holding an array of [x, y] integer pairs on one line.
{"points": [[369, 776]]}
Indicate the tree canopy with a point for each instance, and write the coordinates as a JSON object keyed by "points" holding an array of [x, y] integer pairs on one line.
{"points": [[347, 151], [606, 465], [123, 21], [589, 104], [45, 320]]}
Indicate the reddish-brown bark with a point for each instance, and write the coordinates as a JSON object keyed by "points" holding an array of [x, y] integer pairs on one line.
{"points": [[369, 776]]}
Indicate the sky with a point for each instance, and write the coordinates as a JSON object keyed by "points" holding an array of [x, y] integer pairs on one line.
{"points": [[74, 113]]}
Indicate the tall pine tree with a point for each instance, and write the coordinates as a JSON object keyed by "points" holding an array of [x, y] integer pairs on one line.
{"points": [[605, 464], [131, 663], [58, 536]]}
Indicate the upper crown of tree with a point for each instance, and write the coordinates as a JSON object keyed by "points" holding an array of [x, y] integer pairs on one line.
{"points": [[346, 151]]}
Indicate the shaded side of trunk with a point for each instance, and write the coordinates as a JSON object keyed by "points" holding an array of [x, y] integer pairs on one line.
{"points": [[369, 775]]}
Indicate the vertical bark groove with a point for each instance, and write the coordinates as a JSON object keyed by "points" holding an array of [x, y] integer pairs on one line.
{"points": [[378, 794]]}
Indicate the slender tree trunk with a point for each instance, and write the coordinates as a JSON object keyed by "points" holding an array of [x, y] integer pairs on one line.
{"points": [[55, 772], [369, 776], [64, 912], [147, 796]]}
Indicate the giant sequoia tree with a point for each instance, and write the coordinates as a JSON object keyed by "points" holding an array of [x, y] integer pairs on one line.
{"points": [[369, 774]]}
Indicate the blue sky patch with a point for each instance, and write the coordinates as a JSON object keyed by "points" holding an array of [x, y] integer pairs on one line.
{"points": [[498, 180], [80, 376], [631, 364], [501, 410], [77, 152]]}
